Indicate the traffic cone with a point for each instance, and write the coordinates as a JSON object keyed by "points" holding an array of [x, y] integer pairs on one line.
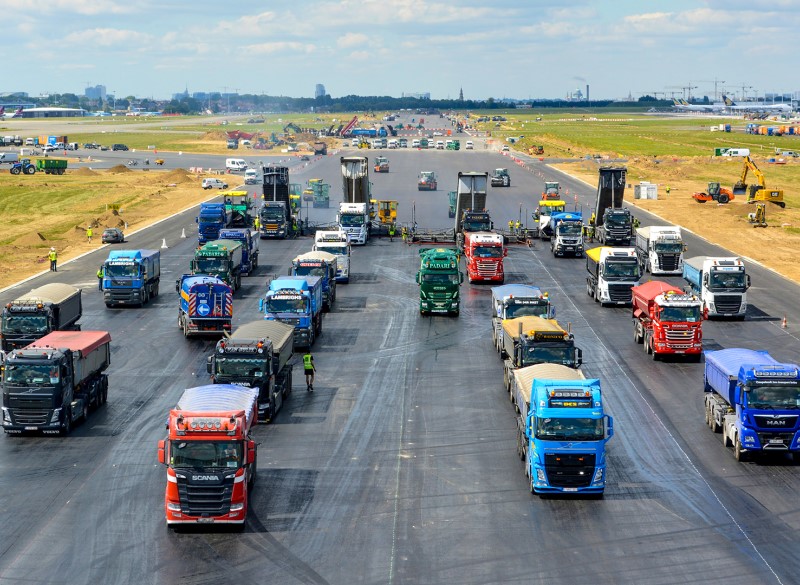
{"points": [[164, 244], [183, 233], [783, 323]]}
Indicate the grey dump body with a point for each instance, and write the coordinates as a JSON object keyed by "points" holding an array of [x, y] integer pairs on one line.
{"points": [[608, 206], [470, 195], [60, 303], [355, 179]]}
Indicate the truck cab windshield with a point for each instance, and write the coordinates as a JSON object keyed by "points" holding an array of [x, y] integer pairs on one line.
{"points": [[773, 397], [488, 251], [569, 429], [25, 324], [206, 454], [668, 247], [477, 226], [121, 270], [250, 367], [211, 265], [310, 271], [727, 280], [31, 375], [513, 311], [284, 305], [439, 278], [681, 314], [209, 218], [570, 229], [349, 220], [615, 221], [272, 214], [339, 250], [539, 354], [621, 270]]}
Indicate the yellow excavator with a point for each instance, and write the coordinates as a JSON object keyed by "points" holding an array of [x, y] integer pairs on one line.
{"points": [[759, 191]]}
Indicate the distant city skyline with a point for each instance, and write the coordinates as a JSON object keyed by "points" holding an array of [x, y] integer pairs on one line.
{"points": [[522, 49]]}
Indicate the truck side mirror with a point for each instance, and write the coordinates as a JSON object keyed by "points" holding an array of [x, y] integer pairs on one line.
{"points": [[505, 252], [208, 363], [162, 456], [251, 451], [196, 220], [289, 273], [261, 305], [417, 278], [579, 356], [192, 265], [609, 427], [177, 286], [705, 279], [460, 277], [747, 281], [705, 313], [685, 247]]}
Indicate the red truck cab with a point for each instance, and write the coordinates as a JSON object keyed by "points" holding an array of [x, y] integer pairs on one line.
{"points": [[667, 320], [484, 253]]}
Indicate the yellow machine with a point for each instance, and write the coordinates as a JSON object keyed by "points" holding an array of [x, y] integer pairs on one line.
{"points": [[387, 211], [364, 143], [758, 192], [759, 217]]}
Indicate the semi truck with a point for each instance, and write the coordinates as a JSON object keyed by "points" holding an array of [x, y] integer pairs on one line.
{"points": [[660, 249], [612, 273], [220, 258], [613, 223], [249, 241], [562, 430], [517, 300], [211, 219], [210, 455], [205, 305], [55, 381], [297, 301], [355, 179], [753, 399], [353, 219], [721, 283], [528, 341], [51, 307], [275, 216], [439, 280], [567, 234], [484, 253], [336, 243], [322, 264], [257, 355], [471, 212], [131, 277], [667, 320]]}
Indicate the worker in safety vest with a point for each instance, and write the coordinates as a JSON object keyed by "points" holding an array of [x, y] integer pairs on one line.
{"points": [[391, 232], [89, 233], [100, 278], [53, 256], [309, 369], [511, 226], [518, 226]]}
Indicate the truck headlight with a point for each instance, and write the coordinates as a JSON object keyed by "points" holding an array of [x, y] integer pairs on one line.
{"points": [[55, 416], [598, 476], [237, 507], [6, 416], [540, 476], [173, 507]]}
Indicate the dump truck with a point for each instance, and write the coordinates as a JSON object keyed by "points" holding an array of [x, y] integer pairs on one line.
{"points": [[210, 455], [354, 220], [320, 149], [323, 265], [212, 218], [484, 253], [613, 223], [471, 213], [666, 320], [533, 340], [613, 272], [220, 258], [51, 307], [517, 300], [567, 234], [56, 381], [249, 241], [439, 280], [257, 354], [296, 300], [753, 399], [720, 282], [275, 216], [205, 305], [562, 430], [131, 277], [355, 179], [660, 249]]}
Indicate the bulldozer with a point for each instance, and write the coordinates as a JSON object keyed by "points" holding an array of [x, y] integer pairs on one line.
{"points": [[759, 217], [715, 192], [759, 191]]}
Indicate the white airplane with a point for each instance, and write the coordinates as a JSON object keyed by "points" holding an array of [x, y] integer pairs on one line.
{"points": [[685, 106], [763, 107], [4, 116]]}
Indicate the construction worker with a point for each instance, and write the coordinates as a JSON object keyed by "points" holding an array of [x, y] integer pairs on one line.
{"points": [[511, 226], [667, 190], [636, 222], [309, 369], [404, 234], [391, 232], [53, 256], [256, 223], [592, 219], [89, 233], [518, 226], [100, 278]]}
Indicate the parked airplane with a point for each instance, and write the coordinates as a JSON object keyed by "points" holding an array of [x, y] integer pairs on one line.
{"points": [[685, 106], [762, 107], [3, 115]]}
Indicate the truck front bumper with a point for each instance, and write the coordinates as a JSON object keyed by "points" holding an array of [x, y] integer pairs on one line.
{"points": [[17, 421], [116, 296], [541, 485]]}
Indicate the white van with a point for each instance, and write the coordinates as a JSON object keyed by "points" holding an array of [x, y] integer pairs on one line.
{"points": [[737, 152], [415, 143], [251, 177], [8, 157], [439, 144], [235, 164], [470, 145]]}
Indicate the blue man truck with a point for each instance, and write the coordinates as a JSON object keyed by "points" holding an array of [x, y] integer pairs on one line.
{"points": [[297, 301], [562, 430], [131, 277], [754, 400], [212, 218], [205, 305], [249, 241], [322, 264]]}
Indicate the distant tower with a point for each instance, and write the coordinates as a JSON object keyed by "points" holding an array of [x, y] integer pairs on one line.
{"points": [[461, 94], [319, 91]]}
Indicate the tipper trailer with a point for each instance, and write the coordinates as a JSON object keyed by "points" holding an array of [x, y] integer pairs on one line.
{"points": [[51, 307]]}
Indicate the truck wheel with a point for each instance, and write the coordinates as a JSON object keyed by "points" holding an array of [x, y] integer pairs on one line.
{"points": [[738, 452], [66, 427], [85, 411], [287, 389], [726, 441], [654, 355], [637, 333], [185, 329]]}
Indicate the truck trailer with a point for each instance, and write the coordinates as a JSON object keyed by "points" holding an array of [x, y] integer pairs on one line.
{"points": [[484, 253], [667, 320], [51, 307], [562, 430], [55, 381], [275, 216], [210, 455], [753, 399], [296, 300], [205, 305], [249, 242], [439, 280], [721, 283], [613, 272], [258, 355], [322, 264], [471, 213], [355, 179], [660, 249], [131, 277]]}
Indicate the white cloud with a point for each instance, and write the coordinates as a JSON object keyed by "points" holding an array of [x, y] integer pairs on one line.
{"points": [[86, 7], [352, 40], [109, 37], [272, 48]]}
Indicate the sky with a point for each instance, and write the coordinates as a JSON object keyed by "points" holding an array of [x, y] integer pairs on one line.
{"points": [[503, 49]]}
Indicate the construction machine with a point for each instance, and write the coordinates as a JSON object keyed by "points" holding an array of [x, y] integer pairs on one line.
{"points": [[537, 149], [715, 192], [387, 211], [759, 191], [381, 164], [759, 217]]}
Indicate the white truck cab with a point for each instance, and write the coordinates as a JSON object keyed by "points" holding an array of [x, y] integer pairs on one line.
{"points": [[353, 219], [338, 243]]}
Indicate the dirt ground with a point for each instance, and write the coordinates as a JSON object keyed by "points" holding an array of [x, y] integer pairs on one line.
{"points": [[727, 225]]}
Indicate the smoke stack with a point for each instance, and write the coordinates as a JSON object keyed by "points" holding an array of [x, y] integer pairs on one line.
{"points": [[587, 92]]}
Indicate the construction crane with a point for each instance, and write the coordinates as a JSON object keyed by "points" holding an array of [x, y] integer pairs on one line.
{"points": [[759, 191]]}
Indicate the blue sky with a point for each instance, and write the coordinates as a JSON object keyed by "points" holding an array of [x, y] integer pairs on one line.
{"points": [[515, 48]]}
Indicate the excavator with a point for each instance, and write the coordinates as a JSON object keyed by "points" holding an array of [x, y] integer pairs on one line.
{"points": [[758, 192], [715, 192], [759, 217]]}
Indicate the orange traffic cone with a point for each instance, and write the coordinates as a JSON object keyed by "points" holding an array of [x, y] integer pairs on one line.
{"points": [[783, 323]]}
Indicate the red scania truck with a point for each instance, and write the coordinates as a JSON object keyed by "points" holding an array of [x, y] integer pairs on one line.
{"points": [[667, 320], [484, 253], [210, 455]]}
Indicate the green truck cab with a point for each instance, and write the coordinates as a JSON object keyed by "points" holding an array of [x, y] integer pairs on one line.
{"points": [[220, 258], [439, 280]]}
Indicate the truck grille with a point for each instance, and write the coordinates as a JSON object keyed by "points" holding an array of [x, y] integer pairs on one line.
{"points": [[669, 262], [207, 498], [728, 303], [620, 293], [775, 441], [679, 339], [486, 268], [294, 321], [781, 422], [569, 469], [33, 416], [120, 294]]}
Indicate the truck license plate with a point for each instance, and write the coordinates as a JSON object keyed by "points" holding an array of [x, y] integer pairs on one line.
{"points": [[776, 441], [570, 489], [205, 520], [31, 428]]}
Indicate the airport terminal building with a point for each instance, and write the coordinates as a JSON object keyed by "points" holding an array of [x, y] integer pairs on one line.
{"points": [[54, 113]]}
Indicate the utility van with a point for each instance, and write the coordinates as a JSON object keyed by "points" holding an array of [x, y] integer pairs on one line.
{"points": [[235, 164], [737, 152]]}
